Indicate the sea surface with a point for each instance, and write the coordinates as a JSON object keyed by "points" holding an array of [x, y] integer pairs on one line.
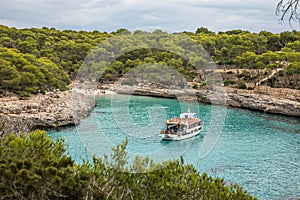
{"points": [[260, 152]]}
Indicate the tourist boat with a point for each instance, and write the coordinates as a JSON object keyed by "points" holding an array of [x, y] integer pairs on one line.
{"points": [[186, 126]]}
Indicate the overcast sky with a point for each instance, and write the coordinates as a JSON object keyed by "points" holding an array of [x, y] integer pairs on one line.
{"points": [[170, 15]]}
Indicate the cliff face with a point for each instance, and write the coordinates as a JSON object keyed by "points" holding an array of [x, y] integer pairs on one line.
{"points": [[51, 110], [68, 108], [265, 99], [253, 101]]}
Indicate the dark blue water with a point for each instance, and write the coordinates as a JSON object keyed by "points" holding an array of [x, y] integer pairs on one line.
{"points": [[258, 151]]}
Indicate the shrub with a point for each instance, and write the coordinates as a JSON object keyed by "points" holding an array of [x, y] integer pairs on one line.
{"points": [[242, 86], [129, 81], [40, 169], [228, 82]]}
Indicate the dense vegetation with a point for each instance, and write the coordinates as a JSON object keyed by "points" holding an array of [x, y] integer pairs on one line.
{"points": [[25, 73], [39, 60], [35, 167], [31, 57]]}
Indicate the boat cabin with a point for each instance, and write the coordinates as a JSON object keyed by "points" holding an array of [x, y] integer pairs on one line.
{"points": [[181, 125]]}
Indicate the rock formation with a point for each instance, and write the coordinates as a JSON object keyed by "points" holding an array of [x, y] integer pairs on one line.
{"points": [[50, 110], [265, 99]]}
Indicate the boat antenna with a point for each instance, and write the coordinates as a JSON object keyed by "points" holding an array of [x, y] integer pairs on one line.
{"points": [[189, 110]]}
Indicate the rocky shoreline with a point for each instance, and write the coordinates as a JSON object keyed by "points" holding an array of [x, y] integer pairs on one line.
{"points": [[51, 110], [265, 99], [57, 108]]}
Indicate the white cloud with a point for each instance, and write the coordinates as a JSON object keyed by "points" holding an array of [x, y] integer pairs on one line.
{"points": [[110, 15]]}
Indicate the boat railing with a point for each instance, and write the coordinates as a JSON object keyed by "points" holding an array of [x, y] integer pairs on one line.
{"points": [[172, 132]]}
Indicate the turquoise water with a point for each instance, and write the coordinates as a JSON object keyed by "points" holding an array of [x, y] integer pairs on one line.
{"points": [[258, 151]]}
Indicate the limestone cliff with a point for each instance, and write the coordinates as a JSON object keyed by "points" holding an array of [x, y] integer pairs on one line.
{"points": [[265, 99]]}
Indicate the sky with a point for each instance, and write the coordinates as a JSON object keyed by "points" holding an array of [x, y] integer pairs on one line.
{"points": [[168, 15]]}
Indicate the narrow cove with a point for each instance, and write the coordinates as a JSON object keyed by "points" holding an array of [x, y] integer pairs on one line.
{"points": [[256, 150]]}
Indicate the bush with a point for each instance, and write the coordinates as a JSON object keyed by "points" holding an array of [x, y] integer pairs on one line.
{"points": [[245, 74], [40, 169], [37, 166], [203, 84], [228, 82], [253, 78], [23, 95], [129, 81], [242, 86], [26, 74]]}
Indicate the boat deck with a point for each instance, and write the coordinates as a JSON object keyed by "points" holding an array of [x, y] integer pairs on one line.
{"points": [[183, 121]]}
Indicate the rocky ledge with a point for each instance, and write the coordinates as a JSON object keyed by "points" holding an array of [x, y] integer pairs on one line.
{"points": [[50, 110], [265, 99]]}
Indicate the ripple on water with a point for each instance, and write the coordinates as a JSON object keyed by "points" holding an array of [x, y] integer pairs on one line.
{"points": [[256, 150]]}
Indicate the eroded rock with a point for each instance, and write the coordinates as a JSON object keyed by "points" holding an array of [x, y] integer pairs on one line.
{"points": [[50, 110], [270, 100]]}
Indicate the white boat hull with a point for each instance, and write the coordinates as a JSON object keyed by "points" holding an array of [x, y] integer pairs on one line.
{"points": [[175, 137]]}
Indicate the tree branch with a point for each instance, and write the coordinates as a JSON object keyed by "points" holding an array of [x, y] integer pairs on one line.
{"points": [[288, 9]]}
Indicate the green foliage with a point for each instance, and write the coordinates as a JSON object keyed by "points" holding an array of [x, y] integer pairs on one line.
{"points": [[66, 49], [203, 30], [245, 75], [242, 86], [286, 59], [130, 81], [35, 167], [228, 82], [70, 50], [26, 74]]}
